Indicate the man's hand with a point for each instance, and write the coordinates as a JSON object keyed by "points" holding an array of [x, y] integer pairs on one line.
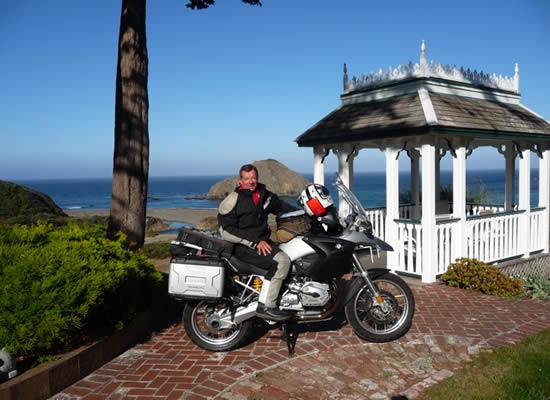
{"points": [[263, 248]]}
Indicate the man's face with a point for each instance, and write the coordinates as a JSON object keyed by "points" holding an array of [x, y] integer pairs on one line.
{"points": [[248, 180]]}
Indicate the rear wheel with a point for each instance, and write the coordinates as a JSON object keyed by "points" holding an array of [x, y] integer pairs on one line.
{"points": [[382, 323], [201, 323]]}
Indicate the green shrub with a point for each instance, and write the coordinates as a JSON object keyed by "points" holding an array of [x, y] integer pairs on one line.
{"points": [[157, 250], [102, 220], [468, 273], [537, 287], [152, 225], [60, 285]]}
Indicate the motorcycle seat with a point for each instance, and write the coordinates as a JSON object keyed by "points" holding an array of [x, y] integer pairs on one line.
{"points": [[210, 245], [247, 268], [214, 247]]}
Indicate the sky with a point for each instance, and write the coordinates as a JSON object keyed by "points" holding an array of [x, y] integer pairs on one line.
{"points": [[235, 83]]}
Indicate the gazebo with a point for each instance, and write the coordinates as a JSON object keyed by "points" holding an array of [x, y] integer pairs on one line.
{"points": [[425, 110]]}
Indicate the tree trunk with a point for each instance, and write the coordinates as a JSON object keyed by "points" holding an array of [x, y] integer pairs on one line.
{"points": [[131, 154]]}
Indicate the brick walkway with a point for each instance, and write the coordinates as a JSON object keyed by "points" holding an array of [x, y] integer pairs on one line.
{"points": [[449, 326]]}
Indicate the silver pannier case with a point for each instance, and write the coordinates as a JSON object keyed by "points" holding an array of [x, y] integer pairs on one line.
{"points": [[195, 277]]}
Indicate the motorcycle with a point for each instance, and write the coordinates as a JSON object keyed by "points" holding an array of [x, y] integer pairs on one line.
{"points": [[221, 291]]}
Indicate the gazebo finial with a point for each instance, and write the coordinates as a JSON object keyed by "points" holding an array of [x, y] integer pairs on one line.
{"points": [[345, 77], [516, 78], [423, 53]]}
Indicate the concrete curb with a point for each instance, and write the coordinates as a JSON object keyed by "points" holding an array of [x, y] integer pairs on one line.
{"points": [[52, 377]]}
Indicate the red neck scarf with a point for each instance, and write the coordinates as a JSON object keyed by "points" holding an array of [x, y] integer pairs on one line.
{"points": [[255, 195]]}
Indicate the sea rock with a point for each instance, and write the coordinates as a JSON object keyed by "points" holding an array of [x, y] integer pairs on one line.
{"points": [[155, 225], [20, 204], [277, 177]]}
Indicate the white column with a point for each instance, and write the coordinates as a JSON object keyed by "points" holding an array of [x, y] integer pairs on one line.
{"points": [[510, 156], [318, 165], [437, 169], [392, 203], [343, 166], [351, 180], [544, 195], [345, 170], [525, 202], [415, 184], [429, 247], [459, 202]]}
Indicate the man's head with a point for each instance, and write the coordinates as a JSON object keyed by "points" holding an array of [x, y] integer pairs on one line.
{"points": [[248, 177]]}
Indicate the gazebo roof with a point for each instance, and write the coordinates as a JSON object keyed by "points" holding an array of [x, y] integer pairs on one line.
{"points": [[430, 99]]}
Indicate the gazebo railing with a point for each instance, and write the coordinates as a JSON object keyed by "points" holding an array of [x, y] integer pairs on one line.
{"points": [[445, 236], [493, 237], [537, 229], [409, 246], [479, 208], [406, 211], [377, 217], [489, 237]]}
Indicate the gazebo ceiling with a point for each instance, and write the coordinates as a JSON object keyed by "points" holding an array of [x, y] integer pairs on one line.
{"points": [[428, 99]]}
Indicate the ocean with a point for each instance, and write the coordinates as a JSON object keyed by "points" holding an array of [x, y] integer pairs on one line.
{"points": [[180, 192]]}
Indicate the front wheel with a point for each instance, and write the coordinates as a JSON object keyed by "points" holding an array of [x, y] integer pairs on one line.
{"points": [[201, 323], [382, 323]]}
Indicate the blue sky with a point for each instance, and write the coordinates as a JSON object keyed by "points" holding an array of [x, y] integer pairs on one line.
{"points": [[234, 83]]}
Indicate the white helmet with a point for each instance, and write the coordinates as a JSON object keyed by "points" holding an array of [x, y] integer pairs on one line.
{"points": [[315, 200]]}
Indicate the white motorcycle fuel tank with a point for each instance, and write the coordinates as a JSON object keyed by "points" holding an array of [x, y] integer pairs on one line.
{"points": [[296, 248]]}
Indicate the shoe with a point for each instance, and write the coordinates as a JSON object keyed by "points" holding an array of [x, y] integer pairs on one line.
{"points": [[271, 313]]}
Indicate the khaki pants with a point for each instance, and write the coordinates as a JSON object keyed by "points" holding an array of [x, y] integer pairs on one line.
{"points": [[277, 265]]}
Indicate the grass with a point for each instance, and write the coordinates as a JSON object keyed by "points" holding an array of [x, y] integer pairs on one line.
{"points": [[521, 372]]}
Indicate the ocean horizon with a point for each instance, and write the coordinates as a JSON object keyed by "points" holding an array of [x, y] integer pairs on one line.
{"points": [[182, 191]]}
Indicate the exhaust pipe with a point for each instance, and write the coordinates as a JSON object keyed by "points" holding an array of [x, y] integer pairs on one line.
{"points": [[229, 320], [322, 316]]}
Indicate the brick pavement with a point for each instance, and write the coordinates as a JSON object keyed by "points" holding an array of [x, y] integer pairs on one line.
{"points": [[449, 326]]}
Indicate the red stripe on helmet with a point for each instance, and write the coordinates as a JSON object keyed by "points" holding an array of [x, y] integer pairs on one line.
{"points": [[316, 207]]}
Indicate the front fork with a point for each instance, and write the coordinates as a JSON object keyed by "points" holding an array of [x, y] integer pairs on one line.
{"points": [[376, 297]]}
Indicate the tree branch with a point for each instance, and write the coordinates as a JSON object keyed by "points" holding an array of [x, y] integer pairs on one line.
{"points": [[202, 4]]}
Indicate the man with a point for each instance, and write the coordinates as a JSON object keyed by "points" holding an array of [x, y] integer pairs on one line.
{"points": [[242, 217]]}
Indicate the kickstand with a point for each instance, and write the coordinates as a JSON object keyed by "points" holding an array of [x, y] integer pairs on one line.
{"points": [[290, 336]]}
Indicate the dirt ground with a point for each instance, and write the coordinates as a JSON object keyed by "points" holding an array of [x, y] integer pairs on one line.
{"points": [[162, 265]]}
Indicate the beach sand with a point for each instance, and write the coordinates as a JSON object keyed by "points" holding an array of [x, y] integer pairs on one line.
{"points": [[187, 215]]}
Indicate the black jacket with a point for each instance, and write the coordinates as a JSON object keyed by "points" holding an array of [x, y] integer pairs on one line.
{"points": [[241, 221]]}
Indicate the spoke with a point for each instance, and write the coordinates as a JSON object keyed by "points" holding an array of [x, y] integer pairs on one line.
{"points": [[372, 317], [207, 333]]}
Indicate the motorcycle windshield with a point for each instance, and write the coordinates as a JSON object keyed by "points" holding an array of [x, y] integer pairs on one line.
{"points": [[348, 196]]}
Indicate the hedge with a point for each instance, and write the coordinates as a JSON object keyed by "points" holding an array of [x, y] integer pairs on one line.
{"points": [[60, 286]]}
